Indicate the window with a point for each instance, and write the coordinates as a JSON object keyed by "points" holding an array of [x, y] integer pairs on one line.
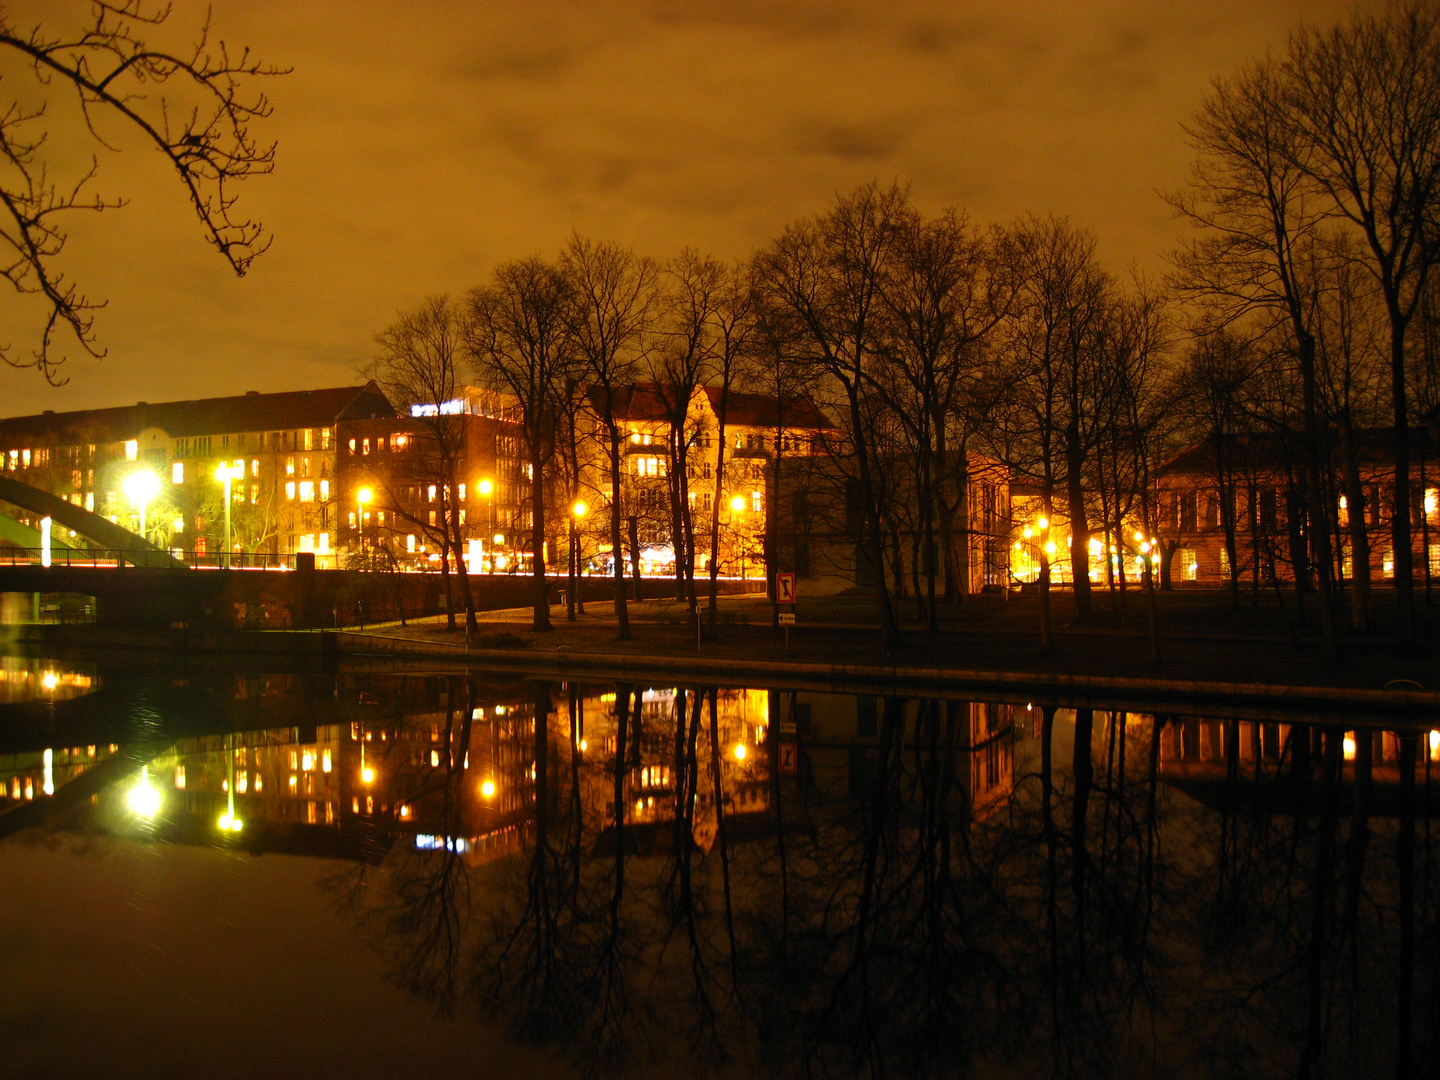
{"points": [[432, 517], [307, 490], [254, 493], [324, 490], [309, 441], [401, 441], [325, 550], [431, 496], [757, 501], [365, 447], [325, 438], [352, 446], [410, 543], [289, 466], [290, 490], [254, 468], [305, 466], [132, 451], [462, 492]]}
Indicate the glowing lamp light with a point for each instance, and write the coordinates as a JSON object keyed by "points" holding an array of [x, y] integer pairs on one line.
{"points": [[740, 751], [737, 503], [584, 746], [141, 486], [230, 823], [367, 774], [485, 487], [1139, 537], [1050, 548], [364, 495], [579, 509], [487, 789], [144, 798], [1044, 524], [498, 538], [50, 680]]}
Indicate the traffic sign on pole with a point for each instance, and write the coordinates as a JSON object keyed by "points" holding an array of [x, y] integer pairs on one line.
{"points": [[785, 588]]}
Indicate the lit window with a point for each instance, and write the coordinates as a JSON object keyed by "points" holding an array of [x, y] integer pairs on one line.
{"points": [[309, 438], [324, 490], [90, 501], [289, 466], [307, 490], [307, 542], [177, 473], [254, 493], [352, 519], [180, 776], [290, 490], [254, 467], [352, 446], [431, 497], [365, 447], [757, 501], [310, 806], [432, 518], [325, 550], [410, 543], [401, 441], [132, 451], [462, 492]]}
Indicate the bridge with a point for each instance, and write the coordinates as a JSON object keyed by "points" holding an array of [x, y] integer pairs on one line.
{"points": [[127, 546]]}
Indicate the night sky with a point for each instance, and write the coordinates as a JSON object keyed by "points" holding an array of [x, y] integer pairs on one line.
{"points": [[420, 144]]}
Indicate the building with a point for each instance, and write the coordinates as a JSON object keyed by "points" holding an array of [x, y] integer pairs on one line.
{"points": [[283, 451], [1257, 483], [758, 427], [401, 477]]}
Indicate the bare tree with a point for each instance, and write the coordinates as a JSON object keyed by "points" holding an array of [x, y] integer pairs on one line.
{"points": [[419, 369], [519, 343], [200, 119], [1363, 100], [824, 276], [615, 294], [1256, 209]]}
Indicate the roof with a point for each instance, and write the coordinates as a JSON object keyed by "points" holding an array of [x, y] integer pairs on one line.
{"points": [[205, 416], [764, 410], [1275, 449]]}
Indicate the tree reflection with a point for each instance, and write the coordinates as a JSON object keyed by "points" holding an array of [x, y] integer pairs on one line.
{"points": [[1096, 893]]}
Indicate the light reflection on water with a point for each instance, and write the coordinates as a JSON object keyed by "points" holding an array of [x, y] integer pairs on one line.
{"points": [[854, 885]]}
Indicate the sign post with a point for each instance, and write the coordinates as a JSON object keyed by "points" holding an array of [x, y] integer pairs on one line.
{"points": [[785, 594]]}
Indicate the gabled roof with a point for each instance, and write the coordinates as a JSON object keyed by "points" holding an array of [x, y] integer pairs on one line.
{"points": [[205, 416]]}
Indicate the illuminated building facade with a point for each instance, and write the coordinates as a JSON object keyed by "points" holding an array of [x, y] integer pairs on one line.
{"points": [[758, 428], [282, 452]]}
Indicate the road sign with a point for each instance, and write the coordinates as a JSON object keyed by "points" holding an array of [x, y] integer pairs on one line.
{"points": [[787, 618], [784, 588], [789, 758]]}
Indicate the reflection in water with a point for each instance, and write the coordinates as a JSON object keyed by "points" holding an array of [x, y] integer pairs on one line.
{"points": [[828, 884]]}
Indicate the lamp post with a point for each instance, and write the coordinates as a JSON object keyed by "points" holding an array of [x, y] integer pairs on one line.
{"points": [[577, 511], [737, 508], [140, 487], [225, 473], [362, 500], [487, 488]]}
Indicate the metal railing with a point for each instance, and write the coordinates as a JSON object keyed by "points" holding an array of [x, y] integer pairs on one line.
{"points": [[110, 558]]}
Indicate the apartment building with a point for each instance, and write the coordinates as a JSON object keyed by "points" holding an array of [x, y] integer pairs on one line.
{"points": [[281, 451]]}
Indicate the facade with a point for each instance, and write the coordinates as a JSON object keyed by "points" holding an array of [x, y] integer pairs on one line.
{"points": [[818, 532], [1258, 483], [283, 451], [398, 495], [758, 428]]}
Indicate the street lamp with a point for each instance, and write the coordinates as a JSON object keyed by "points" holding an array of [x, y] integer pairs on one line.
{"points": [[487, 488], [362, 499], [737, 507], [225, 474], [140, 487]]}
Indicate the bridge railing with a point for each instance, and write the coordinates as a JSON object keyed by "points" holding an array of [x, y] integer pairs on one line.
{"points": [[110, 558]]}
